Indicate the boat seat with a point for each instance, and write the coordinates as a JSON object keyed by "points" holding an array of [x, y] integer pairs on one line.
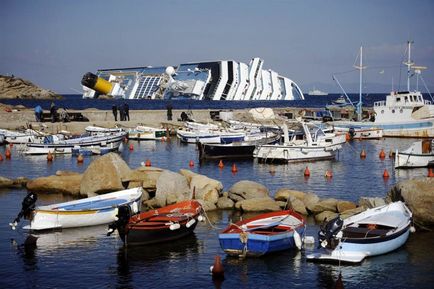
{"points": [[357, 232]]}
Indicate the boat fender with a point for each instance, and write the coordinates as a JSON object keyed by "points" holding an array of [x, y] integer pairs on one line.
{"points": [[174, 226], [412, 229], [309, 240], [134, 207], [297, 240], [201, 218], [190, 223]]}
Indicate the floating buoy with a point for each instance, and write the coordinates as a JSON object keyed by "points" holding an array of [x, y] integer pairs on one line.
{"points": [[1, 157], [363, 154], [234, 168], [217, 270], [430, 173], [272, 170], [8, 153], [131, 147], [80, 159], [191, 164], [328, 174], [49, 157], [386, 174], [382, 154], [148, 163], [307, 172], [297, 240], [221, 165], [347, 136]]}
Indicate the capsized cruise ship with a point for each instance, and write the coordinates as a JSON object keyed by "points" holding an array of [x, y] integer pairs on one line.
{"points": [[212, 80]]}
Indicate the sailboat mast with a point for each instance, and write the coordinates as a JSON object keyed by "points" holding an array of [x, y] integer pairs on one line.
{"points": [[359, 106], [409, 64]]}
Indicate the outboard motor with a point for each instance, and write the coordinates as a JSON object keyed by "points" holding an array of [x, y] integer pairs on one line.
{"points": [[124, 215], [352, 132], [27, 206], [329, 231]]}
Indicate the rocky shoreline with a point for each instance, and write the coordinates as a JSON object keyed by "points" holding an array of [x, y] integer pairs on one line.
{"points": [[163, 187], [15, 87]]}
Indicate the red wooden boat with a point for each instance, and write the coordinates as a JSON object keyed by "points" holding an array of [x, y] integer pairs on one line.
{"points": [[160, 225]]}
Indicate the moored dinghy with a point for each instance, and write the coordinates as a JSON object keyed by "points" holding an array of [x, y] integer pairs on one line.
{"points": [[419, 154], [155, 226], [265, 233], [373, 232], [92, 211]]}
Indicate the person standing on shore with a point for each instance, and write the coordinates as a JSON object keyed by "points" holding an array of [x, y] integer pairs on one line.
{"points": [[115, 111], [53, 112], [127, 111], [169, 110], [38, 113], [121, 112]]}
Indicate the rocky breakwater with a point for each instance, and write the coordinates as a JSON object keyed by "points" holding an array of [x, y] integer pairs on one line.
{"points": [[418, 194], [14, 87]]}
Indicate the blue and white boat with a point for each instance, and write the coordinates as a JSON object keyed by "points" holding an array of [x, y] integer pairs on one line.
{"points": [[373, 232], [263, 234], [92, 211]]}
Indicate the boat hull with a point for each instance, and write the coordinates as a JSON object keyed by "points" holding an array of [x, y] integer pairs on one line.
{"points": [[277, 153], [408, 160]]}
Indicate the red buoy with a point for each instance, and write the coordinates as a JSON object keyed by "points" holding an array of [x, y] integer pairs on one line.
{"points": [[148, 163], [430, 173], [234, 168], [363, 154], [221, 165], [328, 174], [382, 154], [386, 174], [8, 153], [1, 157], [191, 164], [80, 159], [217, 270], [49, 157], [307, 172], [347, 136], [131, 147]]}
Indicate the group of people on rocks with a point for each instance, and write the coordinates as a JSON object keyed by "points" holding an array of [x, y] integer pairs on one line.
{"points": [[124, 112]]}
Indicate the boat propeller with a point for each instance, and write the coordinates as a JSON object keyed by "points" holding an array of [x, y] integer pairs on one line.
{"points": [[123, 216], [27, 206], [329, 230]]}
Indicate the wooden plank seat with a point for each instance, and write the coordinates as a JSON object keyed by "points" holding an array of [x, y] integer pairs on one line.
{"points": [[362, 232]]}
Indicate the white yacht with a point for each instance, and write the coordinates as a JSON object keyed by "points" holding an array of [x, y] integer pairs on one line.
{"points": [[211, 80], [317, 92]]}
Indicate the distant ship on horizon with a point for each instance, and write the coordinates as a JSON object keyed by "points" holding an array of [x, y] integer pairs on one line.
{"points": [[317, 92], [211, 80]]}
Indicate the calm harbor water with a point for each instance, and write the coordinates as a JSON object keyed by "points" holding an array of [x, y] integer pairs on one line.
{"points": [[86, 258]]}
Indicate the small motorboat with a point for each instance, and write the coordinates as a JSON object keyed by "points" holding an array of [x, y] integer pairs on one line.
{"points": [[263, 234], [373, 232], [146, 133], [155, 226], [92, 211], [361, 133], [418, 155]]}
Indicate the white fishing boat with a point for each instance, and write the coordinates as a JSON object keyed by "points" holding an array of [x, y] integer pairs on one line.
{"points": [[373, 232], [26, 136], [307, 142], [223, 137], [92, 211], [419, 154], [402, 114], [362, 133], [98, 130], [106, 142], [146, 133]]}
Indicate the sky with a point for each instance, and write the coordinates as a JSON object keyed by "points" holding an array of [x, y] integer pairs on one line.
{"points": [[53, 43]]}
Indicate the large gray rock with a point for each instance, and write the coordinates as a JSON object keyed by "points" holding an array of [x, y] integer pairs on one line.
{"points": [[14, 87], [244, 190], [324, 205], [418, 194], [56, 184], [283, 194], [369, 203], [146, 177], [325, 216], [342, 206], [297, 205], [104, 175], [225, 203], [172, 188], [5, 182], [266, 204], [205, 188], [310, 200]]}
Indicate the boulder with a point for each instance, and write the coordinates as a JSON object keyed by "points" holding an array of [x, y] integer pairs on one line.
{"points": [[418, 194], [266, 204], [325, 216], [342, 206], [244, 190], [205, 188], [297, 205], [284, 193], [20, 182], [143, 176], [150, 204], [207, 206], [66, 173], [310, 200], [56, 184], [104, 175], [369, 203], [5, 182], [351, 212], [225, 203], [324, 205], [172, 188]]}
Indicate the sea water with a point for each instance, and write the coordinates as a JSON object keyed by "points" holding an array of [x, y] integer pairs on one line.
{"points": [[87, 258]]}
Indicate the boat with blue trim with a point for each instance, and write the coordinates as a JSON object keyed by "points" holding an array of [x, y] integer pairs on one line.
{"points": [[373, 232], [263, 234], [91, 211]]}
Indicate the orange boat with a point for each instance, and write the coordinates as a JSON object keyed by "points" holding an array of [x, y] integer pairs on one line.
{"points": [[156, 226]]}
